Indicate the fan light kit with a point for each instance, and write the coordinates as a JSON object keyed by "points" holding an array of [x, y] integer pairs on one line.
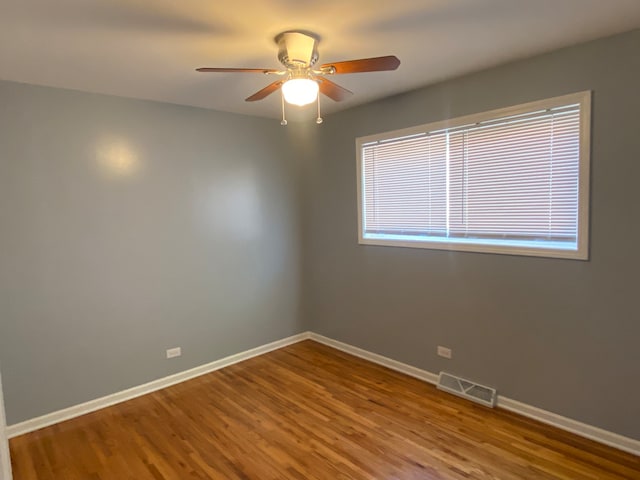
{"points": [[300, 91], [301, 85]]}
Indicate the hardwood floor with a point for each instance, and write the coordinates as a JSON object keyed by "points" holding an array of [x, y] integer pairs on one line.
{"points": [[309, 412]]}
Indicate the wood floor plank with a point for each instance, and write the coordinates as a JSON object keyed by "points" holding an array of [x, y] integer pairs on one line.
{"points": [[308, 411]]}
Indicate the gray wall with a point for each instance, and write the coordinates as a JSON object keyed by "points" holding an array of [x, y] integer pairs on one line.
{"points": [[558, 334], [130, 227]]}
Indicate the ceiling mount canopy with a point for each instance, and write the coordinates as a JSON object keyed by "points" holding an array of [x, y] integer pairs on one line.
{"points": [[301, 82], [297, 48]]}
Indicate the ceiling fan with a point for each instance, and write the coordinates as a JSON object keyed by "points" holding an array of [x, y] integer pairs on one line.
{"points": [[300, 82]]}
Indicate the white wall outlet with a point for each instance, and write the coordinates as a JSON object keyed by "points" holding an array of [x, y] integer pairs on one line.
{"points": [[444, 352], [174, 352]]}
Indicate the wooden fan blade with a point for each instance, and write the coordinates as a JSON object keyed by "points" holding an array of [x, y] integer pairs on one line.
{"points": [[265, 92], [236, 70], [333, 90], [376, 64]]}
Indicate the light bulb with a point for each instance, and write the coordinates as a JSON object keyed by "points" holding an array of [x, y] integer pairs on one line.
{"points": [[300, 91]]}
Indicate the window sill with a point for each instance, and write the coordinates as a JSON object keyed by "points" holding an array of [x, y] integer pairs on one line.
{"points": [[508, 247]]}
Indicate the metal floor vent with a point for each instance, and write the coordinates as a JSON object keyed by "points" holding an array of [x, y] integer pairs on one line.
{"points": [[467, 389]]}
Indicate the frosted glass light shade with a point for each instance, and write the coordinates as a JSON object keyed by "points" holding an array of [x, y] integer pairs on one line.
{"points": [[300, 91]]}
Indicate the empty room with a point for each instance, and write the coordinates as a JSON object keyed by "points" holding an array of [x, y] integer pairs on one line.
{"points": [[278, 239]]}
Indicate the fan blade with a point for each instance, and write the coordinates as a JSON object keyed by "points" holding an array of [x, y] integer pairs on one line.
{"points": [[333, 90], [265, 92], [236, 70], [376, 64]]}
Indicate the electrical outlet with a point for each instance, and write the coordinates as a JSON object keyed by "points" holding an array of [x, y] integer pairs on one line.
{"points": [[174, 352], [444, 352]]}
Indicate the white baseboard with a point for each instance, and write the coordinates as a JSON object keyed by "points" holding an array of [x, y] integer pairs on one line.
{"points": [[615, 440], [599, 435], [375, 358], [588, 431], [99, 403]]}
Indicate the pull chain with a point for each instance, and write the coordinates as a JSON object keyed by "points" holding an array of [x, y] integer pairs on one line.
{"points": [[284, 120], [319, 119]]}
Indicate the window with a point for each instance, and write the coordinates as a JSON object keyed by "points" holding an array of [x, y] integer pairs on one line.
{"points": [[512, 181]]}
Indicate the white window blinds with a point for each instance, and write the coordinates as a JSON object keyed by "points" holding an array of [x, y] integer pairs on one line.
{"points": [[511, 180], [405, 186]]}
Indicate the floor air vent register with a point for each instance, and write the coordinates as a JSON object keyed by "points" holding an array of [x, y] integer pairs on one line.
{"points": [[467, 389]]}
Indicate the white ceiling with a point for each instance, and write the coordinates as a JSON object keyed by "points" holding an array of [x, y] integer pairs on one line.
{"points": [[150, 48]]}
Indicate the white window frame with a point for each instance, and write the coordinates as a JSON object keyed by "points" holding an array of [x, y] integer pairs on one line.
{"points": [[496, 246]]}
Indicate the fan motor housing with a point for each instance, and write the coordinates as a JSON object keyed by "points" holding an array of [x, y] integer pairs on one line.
{"points": [[297, 48]]}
